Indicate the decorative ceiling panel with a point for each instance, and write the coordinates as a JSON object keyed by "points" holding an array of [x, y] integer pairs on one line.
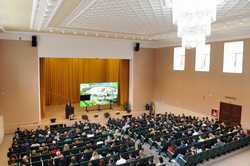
{"points": [[147, 17], [130, 19], [124, 16]]}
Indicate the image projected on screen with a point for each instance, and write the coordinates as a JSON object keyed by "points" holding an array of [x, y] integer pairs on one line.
{"points": [[92, 94]]}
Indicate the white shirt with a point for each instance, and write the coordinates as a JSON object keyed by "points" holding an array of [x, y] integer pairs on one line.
{"points": [[196, 133], [120, 161]]}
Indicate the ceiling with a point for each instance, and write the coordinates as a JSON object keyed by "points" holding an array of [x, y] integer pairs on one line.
{"points": [[130, 19]]}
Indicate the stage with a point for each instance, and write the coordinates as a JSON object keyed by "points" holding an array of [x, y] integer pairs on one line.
{"points": [[58, 112]]}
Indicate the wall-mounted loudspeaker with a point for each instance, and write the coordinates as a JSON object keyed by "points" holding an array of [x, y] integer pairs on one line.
{"points": [[34, 41], [137, 47]]}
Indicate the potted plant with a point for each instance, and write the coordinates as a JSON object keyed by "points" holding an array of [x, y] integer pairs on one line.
{"points": [[126, 107]]}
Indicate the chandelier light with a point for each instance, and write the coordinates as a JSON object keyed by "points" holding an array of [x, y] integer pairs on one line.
{"points": [[193, 19]]}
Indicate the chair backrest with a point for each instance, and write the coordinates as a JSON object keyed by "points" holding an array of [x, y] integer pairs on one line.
{"points": [[144, 161], [37, 163], [181, 161], [48, 162], [84, 163], [35, 158], [95, 162], [46, 156]]}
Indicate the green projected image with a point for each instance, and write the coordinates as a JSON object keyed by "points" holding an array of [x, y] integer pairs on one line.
{"points": [[98, 93]]}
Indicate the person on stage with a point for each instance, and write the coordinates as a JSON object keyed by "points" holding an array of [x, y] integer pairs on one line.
{"points": [[69, 109]]}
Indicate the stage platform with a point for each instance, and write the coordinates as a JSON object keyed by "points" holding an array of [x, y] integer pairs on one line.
{"points": [[58, 112]]}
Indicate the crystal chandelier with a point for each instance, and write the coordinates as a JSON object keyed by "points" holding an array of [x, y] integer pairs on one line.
{"points": [[193, 19]]}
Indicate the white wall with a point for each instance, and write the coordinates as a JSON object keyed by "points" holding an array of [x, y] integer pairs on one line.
{"points": [[161, 107], [54, 45], [85, 47], [131, 84], [19, 84]]}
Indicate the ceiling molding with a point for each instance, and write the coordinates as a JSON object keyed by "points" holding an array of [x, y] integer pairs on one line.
{"points": [[43, 12], [14, 35], [57, 6], [70, 33], [33, 13], [89, 32]]}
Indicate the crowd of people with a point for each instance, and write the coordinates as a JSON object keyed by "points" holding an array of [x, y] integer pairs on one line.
{"points": [[82, 143], [121, 141], [179, 135]]}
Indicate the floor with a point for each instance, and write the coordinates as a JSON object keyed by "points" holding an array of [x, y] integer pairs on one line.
{"points": [[237, 158], [58, 113]]}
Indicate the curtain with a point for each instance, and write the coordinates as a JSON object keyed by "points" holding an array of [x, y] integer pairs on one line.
{"points": [[60, 78]]}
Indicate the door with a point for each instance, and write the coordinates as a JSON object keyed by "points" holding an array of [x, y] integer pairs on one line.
{"points": [[230, 114]]}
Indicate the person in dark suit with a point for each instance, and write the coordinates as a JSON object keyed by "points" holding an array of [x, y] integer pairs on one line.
{"points": [[69, 109]]}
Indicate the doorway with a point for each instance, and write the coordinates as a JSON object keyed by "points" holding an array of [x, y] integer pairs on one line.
{"points": [[230, 114]]}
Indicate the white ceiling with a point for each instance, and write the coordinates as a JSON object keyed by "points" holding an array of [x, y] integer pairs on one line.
{"points": [[132, 19]]}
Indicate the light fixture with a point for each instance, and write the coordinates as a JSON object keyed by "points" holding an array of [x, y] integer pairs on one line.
{"points": [[193, 19]]}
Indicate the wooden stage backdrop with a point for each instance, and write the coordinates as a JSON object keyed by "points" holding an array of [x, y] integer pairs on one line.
{"points": [[60, 78]]}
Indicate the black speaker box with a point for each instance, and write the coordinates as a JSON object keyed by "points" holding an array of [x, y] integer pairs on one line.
{"points": [[34, 41], [137, 47]]}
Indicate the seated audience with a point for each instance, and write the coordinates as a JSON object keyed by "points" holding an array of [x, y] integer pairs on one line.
{"points": [[111, 162], [102, 162], [178, 136], [219, 143], [95, 156], [121, 161], [73, 161], [161, 162]]}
